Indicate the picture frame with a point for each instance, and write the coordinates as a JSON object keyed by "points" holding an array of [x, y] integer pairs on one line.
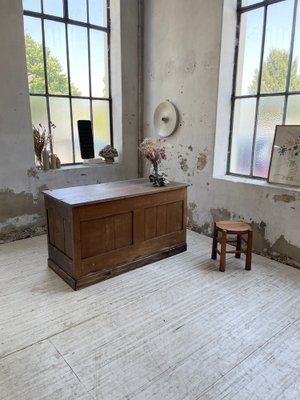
{"points": [[285, 157]]}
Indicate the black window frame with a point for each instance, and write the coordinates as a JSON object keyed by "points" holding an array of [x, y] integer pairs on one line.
{"points": [[68, 21], [286, 93]]}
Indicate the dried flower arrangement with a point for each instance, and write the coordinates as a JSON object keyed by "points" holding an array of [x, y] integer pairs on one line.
{"points": [[108, 153], [155, 150], [42, 137]]}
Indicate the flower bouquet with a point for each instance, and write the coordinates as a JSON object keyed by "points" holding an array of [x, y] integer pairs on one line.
{"points": [[155, 151]]}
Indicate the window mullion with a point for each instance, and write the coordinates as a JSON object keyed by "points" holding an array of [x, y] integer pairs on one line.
{"points": [[235, 66], [258, 89], [89, 66], [108, 22], [46, 77], [66, 9], [69, 85], [288, 80]]}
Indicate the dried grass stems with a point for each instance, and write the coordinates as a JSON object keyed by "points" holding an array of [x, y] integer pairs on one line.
{"points": [[42, 137]]}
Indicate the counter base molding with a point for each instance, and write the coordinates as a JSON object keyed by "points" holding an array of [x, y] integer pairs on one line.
{"points": [[99, 231]]}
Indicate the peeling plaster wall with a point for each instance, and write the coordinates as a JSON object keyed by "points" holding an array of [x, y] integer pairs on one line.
{"points": [[21, 185], [182, 56]]}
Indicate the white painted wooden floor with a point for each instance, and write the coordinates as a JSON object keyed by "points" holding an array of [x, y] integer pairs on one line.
{"points": [[177, 329]]}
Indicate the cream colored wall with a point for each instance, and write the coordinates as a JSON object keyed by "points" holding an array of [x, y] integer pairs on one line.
{"points": [[183, 62]]}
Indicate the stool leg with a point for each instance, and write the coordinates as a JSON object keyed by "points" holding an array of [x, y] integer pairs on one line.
{"points": [[223, 251], [215, 243], [249, 251], [238, 245]]}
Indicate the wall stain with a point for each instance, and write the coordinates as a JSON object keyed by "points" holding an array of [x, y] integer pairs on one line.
{"points": [[260, 243], [285, 251], [33, 172], [220, 214], [190, 147], [18, 205], [281, 250], [190, 67], [183, 164], [201, 161], [286, 198], [192, 208], [205, 229]]}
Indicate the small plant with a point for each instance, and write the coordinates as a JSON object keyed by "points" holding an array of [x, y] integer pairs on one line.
{"points": [[42, 137]]}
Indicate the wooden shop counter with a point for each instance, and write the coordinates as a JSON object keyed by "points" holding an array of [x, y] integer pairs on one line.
{"points": [[98, 231]]}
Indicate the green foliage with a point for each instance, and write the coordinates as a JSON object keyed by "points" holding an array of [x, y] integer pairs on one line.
{"points": [[57, 79], [274, 73]]}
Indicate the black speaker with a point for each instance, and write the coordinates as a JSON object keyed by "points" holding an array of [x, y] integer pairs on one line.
{"points": [[86, 139]]}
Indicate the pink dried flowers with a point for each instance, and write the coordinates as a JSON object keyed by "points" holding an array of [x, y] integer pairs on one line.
{"points": [[154, 149]]}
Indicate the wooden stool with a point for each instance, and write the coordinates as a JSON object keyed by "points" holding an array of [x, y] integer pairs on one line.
{"points": [[239, 229]]}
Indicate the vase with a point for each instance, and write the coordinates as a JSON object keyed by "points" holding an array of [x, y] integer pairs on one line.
{"points": [[157, 177], [45, 156]]}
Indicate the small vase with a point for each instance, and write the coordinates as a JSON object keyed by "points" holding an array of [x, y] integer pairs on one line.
{"points": [[45, 156], [157, 177], [53, 161]]}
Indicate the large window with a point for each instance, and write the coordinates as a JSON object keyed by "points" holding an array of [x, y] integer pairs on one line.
{"points": [[266, 88], [67, 51]]}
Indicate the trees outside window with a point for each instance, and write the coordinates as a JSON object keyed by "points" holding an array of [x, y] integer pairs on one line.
{"points": [[67, 54], [266, 89]]}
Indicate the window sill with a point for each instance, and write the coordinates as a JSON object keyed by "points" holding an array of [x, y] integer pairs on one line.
{"points": [[256, 182], [85, 165]]}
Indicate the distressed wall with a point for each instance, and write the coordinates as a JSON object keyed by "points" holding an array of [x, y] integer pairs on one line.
{"points": [[182, 61], [21, 201]]}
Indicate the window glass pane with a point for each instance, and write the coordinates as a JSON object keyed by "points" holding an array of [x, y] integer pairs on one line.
{"points": [[56, 58], [77, 10], [277, 46], [249, 52], [242, 136], [270, 115], [79, 67], [246, 3], [54, 7], [62, 140], [34, 55], [81, 110], [98, 64], [101, 124], [97, 12], [32, 5], [293, 110], [295, 72], [39, 113]]}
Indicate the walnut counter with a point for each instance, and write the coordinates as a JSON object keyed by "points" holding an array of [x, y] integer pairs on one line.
{"points": [[98, 231]]}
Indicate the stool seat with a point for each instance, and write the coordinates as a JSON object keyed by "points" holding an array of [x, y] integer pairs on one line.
{"points": [[233, 227], [243, 234]]}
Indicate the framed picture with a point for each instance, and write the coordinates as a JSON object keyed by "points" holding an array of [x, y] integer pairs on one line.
{"points": [[285, 158]]}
